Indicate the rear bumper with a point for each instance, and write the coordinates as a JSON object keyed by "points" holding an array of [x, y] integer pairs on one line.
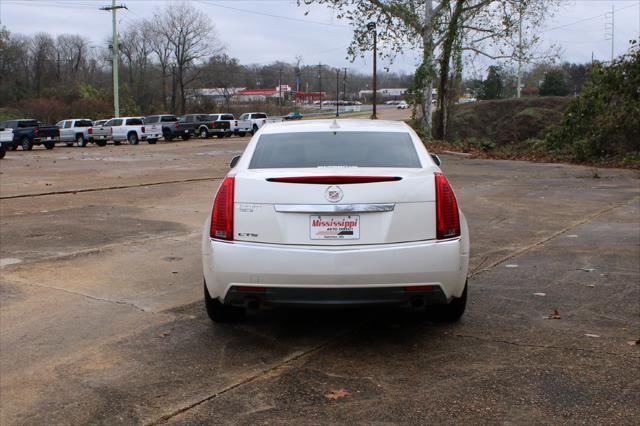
{"points": [[354, 275]]}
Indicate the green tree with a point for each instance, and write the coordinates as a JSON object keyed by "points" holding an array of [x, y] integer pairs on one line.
{"points": [[492, 87], [554, 84]]}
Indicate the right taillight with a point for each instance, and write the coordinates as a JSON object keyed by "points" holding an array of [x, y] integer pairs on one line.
{"points": [[447, 217], [222, 213]]}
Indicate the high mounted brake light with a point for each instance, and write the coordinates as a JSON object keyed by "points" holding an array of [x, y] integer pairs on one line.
{"points": [[334, 180], [222, 213], [447, 217]]}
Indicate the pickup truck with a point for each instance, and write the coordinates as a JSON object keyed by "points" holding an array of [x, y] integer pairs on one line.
{"points": [[100, 135], [204, 125], [166, 125], [76, 130], [6, 141], [29, 132], [257, 119], [129, 129], [236, 127]]}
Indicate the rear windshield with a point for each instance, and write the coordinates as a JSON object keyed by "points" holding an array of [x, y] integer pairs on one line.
{"points": [[134, 122], [169, 118], [259, 115], [335, 149], [227, 117], [28, 123], [83, 123]]}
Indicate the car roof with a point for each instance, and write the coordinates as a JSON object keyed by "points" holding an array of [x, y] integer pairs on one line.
{"points": [[333, 125]]}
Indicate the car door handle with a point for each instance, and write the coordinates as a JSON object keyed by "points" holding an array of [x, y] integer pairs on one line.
{"points": [[333, 208]]}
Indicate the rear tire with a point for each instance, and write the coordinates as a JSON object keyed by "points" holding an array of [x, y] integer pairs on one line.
{"points": [[221, 313], [132, 138], [241, 134], [69, 144], [451, 312], [49, 145], [186, 137], [255, 129], [220, 135], [3, 152], [152, 141], [26, 144], [166, 134], [117, 142], [101, 143], [80, 141], [204, 133]]}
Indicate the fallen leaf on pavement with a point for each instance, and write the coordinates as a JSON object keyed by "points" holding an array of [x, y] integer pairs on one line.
{"points": [[555, 315], [337, 394], [539, 294], [592, 335]]}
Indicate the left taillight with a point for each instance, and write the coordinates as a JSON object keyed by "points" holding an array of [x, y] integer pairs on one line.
{"points": [[222, 213], [447, 216]]}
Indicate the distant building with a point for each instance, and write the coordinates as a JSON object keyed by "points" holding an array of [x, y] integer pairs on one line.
{"points": [[392, 92], [219, 93]]}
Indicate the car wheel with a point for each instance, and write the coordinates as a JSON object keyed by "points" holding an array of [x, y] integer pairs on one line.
{"points": [[451, 312], [167, 136], [26, 144], [3, 152], [152, 141], [69, 144], [133, 138], [101, 143], [255, 128], [227, 135], [14, 147], [186, 137], [80, 141], [117, 142], [204, 133], [49, 145], [220, 135], [241, 134], [221, 313]]}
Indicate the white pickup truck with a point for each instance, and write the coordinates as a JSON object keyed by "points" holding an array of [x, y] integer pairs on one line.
{"points": [[6, 141], [129, 129], [257, 119], [236, 127], [76, 130]]}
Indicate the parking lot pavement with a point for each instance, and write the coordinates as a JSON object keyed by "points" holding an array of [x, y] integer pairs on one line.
{"points": [[101, 319]]}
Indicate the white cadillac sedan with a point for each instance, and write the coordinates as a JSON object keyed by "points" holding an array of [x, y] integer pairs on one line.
{"points": [[335, 212]]}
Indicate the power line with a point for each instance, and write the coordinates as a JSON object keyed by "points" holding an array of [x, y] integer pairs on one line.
{"points": [[586, 19]]}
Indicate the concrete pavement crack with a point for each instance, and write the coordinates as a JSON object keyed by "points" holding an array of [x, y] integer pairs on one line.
{"points": [[553, 236], [528, 345], [107, 188], [296, 356]]}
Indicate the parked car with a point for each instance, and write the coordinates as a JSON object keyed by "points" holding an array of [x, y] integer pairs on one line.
{"points": [[402, 105], [292, 116], [6, 141], [335, 213], [204, 125], [29, 132], [100, 134], [168, 126], [236, 127], [257, 119], [76, 130], [130, 129]]}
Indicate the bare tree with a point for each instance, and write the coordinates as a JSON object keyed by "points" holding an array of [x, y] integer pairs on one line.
{"points": [[161, 47], [42, 57], [192, 39]]}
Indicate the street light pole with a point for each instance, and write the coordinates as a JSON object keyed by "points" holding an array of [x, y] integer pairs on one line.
{"points": [[371, 26], [116, 94], [337, 92]]}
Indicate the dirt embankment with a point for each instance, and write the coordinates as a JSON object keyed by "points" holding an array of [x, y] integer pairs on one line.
{"points": [[506, 121]]}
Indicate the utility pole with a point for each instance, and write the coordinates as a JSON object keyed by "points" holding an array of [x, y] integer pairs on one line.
{"points": [[320, 83], [344, 85], [116, 93], [519, 88], [371, 26], [280, 91], [337, 92]]}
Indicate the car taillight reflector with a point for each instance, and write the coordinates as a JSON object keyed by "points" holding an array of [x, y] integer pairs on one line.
{"points": [[447, 217], [36, 132], [222, 213], [142, 129], [177, 125], [250, 289], [334, 180], [90, 131], [418, 288]]}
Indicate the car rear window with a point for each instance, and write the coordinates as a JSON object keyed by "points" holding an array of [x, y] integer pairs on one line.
{"points": [[169, 118], [255, 116], [227, 117], [335, 149], [28, 123], [83, 123], [134, 122], [113, 122], [151, 119]]}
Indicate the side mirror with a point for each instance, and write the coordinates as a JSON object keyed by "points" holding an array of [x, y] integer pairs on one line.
{"points": [[234, 161], [436, 159]]}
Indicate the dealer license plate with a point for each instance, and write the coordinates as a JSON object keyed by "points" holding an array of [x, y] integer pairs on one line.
{"points": [[334, 227]]}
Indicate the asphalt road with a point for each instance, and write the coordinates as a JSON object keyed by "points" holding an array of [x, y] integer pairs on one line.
{"points": [[101, 319]]}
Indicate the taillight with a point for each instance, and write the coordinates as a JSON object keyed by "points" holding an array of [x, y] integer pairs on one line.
{"points": [[447, 217], [36, 132], [222, 214], [142, 129], [111, 130], [90, 131], [177, 125]]}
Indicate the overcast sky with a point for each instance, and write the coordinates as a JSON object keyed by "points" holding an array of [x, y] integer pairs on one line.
{"points": [[263, 31]]}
